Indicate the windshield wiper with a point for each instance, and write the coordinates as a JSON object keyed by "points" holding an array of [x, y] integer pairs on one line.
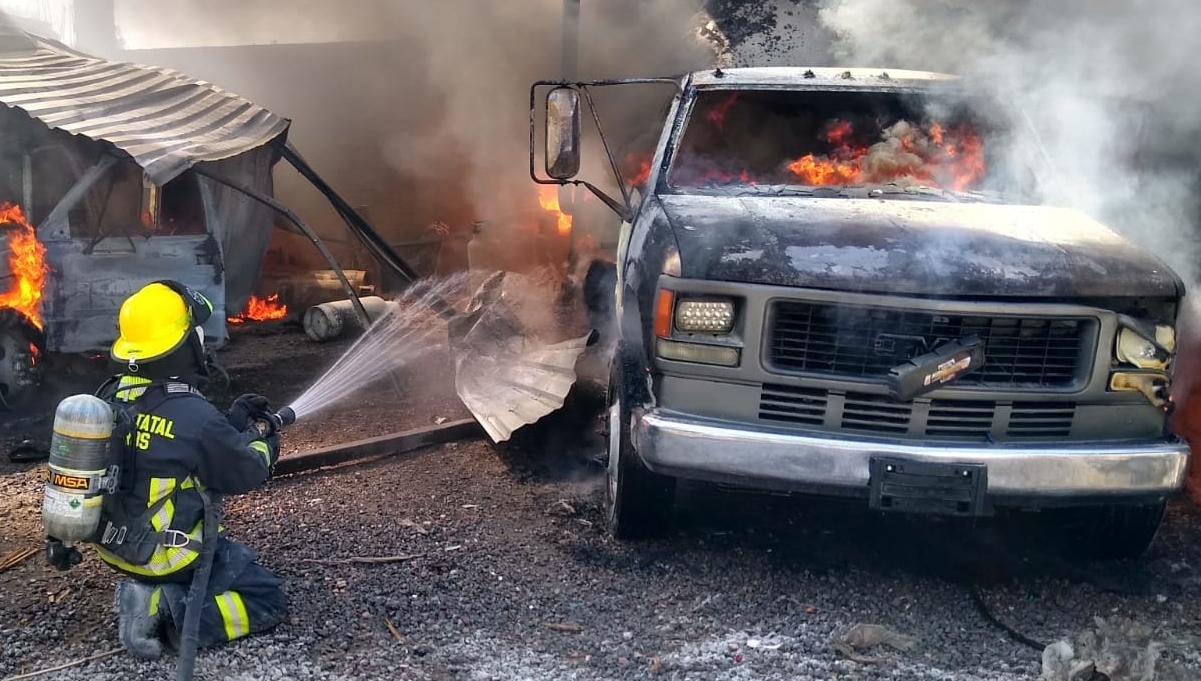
{"points": [[858, 191], [772, 189], [957, 196]]}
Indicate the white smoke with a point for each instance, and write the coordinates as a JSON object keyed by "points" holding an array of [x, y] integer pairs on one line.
{"points": [[1108, 84], [419, 110], [1113, 91]]}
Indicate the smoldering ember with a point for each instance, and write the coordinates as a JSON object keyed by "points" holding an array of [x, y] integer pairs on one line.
{"points": [[569, 339]]}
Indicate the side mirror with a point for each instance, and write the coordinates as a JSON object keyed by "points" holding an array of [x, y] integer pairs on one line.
{"points": [[562, 133]]}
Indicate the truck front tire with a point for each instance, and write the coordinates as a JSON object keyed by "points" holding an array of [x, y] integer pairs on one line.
{"points": [[638, 503]]}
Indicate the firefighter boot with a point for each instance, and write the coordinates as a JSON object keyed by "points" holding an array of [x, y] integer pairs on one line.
{"points": [[139, 619]]}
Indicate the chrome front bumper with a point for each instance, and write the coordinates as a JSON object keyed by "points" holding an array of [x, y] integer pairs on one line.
{"points": [[685, 446]]}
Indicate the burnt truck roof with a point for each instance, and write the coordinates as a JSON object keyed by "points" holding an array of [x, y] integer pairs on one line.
{"points": [[811, 76]]}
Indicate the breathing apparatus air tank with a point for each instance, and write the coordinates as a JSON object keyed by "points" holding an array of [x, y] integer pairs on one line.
{"points": [[76, 472]]}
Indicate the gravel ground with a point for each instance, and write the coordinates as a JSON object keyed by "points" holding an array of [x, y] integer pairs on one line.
{"points": [[510, 575]]}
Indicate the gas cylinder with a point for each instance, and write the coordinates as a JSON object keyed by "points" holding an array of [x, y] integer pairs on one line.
{"points": [[79, 442], [331, 320]]}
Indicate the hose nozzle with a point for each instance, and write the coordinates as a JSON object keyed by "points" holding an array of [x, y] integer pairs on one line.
{"points": [[274, 423], [284, 418]]}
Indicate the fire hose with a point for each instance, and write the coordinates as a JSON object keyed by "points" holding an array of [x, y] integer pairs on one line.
{"points": [[266, 424], [189, 638]]}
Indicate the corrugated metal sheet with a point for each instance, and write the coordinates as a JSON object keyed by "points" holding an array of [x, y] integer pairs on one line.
{"points": [[162, 118], [511, 368], [506, 390]]}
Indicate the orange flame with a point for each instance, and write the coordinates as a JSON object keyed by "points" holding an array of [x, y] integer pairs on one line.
{"points": [[26, 264], [954, 160], [639, 166], [717, 114], [964, 159], [260, 310], [824, 171], [840, 133], [548, 198]]}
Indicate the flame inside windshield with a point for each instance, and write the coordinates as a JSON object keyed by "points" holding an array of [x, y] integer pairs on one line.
{"points": [[815, 139]]}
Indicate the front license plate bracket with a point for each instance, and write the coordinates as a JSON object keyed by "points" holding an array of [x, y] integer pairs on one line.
{"points": [[956, 489]]}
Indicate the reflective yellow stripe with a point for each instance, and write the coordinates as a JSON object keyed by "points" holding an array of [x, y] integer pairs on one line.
{"points": [[167, 513], [233, 614], [154, 596], [129, 386], [160, 488], [262, 448], [163, 561]]}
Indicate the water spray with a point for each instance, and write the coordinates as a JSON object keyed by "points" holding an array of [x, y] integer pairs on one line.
{"points": [[408, 330]]}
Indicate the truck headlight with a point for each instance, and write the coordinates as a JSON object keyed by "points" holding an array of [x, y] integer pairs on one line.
{"points": [[706, 315], [1133, 348]]}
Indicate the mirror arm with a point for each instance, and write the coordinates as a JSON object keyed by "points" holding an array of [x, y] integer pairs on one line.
{"points": [[621, 184], [623, 210]]}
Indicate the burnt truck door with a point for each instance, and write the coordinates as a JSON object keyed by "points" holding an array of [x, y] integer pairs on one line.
{"points": [[128, 233]]}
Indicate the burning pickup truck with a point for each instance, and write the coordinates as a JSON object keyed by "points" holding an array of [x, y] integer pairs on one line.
{"points": [[837, 282]]}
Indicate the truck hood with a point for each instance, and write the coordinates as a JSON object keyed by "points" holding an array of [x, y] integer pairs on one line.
{"points": [[912, 247]]}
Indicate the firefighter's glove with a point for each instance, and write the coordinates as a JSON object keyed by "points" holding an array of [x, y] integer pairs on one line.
{"points": [[265, 430], [273, 449], [263, 426], [245, 407], [60, 556]]}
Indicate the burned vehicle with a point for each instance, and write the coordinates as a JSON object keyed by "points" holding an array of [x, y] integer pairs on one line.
{"points": [[835, 282], [116, 174], [106, 186]]}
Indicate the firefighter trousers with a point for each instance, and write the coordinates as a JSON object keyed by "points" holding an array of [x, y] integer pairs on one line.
{"points": [[242, 598]]}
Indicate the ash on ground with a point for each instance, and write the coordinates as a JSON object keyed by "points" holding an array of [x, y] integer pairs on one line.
{"points": [[502, 568]]}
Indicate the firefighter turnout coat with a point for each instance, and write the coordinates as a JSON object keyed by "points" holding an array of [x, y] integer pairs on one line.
{"points": [[179, 443]]}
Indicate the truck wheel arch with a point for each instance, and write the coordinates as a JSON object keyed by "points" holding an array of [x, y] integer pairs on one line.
{"points": [[638, 502]]}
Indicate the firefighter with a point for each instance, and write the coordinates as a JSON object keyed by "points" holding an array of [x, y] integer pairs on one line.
{"points": [[180, 445]]}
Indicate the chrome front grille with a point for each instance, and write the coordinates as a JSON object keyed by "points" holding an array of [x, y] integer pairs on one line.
{"points": [[957, 420], [833, 339]]}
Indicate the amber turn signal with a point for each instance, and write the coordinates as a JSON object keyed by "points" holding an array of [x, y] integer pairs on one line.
{"points": [[664, 306]]}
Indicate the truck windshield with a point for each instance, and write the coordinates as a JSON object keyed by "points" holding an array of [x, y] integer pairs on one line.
{"points": [[830, 139]]}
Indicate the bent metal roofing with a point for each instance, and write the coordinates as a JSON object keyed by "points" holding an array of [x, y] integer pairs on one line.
{"points": [[162, 118]]}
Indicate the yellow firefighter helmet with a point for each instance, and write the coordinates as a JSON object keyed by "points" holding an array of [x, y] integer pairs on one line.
{"points": [[153, 323]]}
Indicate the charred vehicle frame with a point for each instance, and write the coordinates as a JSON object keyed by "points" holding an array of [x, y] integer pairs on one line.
{"points": [[926, 350]]}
